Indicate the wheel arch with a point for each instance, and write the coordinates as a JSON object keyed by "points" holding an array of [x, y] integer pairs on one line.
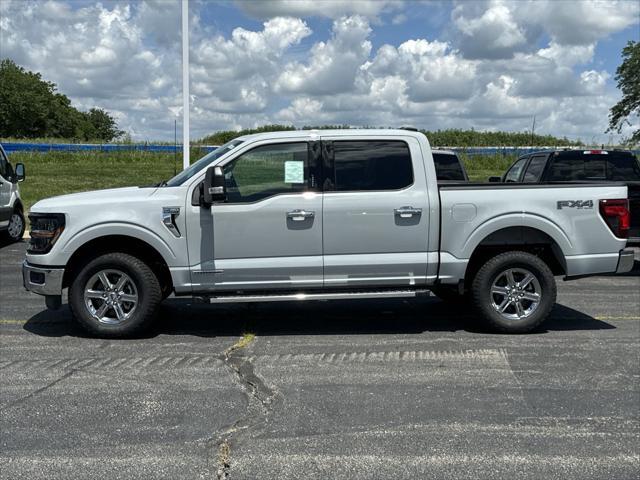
{"points": [[119, 243], [527, 239]]}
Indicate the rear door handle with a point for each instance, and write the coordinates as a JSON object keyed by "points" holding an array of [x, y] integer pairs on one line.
{"points": [[407, 212], [300, 215]]}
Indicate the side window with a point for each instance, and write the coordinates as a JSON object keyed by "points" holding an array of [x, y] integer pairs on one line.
{"points": [[371, 165], [513, 175], [267, 171], [535, 168], [4, 166], [448, 167]]}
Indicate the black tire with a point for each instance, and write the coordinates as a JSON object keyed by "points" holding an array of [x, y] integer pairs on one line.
{"points": [[142, 282], [449, 294], [495, 270], [12, 234]]}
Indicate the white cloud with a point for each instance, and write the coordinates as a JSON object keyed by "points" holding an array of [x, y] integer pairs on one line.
{"points": [[492, 34], [333, 65], [578, 22], [431, 69], [568, 55], [247, 53], [500, 63], [498, 29], [324, 8]]}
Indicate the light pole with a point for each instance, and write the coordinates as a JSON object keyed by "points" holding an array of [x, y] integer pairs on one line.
{"points": [[185, 83]]}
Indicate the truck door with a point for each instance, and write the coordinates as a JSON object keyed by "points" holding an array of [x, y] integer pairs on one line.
{"points": [[268, 234], [5, 190], [375, 214]]}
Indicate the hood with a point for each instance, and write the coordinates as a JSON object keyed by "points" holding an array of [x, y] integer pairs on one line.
{"points": [[99, 198]]}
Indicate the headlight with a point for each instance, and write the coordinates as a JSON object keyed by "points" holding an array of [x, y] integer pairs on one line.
{"points": [[45, 231]]}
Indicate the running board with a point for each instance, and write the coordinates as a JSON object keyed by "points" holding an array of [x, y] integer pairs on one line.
{"points": [[315, 296]]}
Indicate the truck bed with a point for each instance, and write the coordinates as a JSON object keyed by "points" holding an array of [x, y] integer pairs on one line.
{"points": [[470, 212]]}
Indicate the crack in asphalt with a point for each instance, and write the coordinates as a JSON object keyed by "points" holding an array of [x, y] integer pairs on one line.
{"points": [[38, 391], [261, 401]]}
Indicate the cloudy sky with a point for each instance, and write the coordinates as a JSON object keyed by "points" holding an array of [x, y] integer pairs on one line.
{"points": [[491, 65]]}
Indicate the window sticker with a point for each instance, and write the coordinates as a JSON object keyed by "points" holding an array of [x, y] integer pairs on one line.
{"points": [[293, 172]]}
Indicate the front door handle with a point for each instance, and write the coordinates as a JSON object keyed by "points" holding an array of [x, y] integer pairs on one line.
{"points": [[407, 212], [300, 215]]}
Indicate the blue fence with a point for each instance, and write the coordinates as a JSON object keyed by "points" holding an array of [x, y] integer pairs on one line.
{"points": [[96, 147], [149, 147]]}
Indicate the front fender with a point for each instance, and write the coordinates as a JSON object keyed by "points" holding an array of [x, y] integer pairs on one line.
{"points": [[62, 252]]}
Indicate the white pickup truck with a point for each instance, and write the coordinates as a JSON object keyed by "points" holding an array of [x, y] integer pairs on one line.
{"points": [[347, 214]]}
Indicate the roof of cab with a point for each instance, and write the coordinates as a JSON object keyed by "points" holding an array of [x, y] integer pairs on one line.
{"points": [[347, 132], [444, 152]]}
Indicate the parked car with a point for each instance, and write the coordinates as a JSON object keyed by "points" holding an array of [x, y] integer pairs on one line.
{"points": [[304, 215], [12, 222], [449, 167], [550, 167]]}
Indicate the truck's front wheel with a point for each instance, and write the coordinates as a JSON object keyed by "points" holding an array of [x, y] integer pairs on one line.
{"points": [[115, 295], [514, 292]]}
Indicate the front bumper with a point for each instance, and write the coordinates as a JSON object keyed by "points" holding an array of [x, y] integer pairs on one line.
{"points": [[42, 280], [626, 260]]}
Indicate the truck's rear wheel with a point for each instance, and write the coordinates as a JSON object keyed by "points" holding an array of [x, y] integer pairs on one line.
{"points": [[115, 295], [514, 292]]}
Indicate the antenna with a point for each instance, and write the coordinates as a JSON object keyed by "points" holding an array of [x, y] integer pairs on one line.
{"points": [[533, 129]]}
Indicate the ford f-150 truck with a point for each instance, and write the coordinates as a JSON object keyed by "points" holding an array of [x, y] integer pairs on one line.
{"points": [[347, 214]]}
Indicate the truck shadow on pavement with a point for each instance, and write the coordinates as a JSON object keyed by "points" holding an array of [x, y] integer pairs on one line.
{"points": [[382, 317]]}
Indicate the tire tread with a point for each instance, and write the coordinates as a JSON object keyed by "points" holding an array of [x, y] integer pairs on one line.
{"points": [[502, 260], [152, 296]]}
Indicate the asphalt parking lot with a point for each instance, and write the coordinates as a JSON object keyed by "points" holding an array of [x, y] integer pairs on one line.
{"points": [[355, 390]]}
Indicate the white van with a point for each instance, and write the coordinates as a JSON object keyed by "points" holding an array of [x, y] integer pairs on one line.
{"points": [[12, 222]]}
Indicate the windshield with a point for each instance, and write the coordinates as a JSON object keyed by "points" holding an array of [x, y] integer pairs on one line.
{"points": [[203, 163]]}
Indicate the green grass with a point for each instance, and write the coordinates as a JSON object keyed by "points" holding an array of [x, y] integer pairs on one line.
{"points": [[57, 173]]}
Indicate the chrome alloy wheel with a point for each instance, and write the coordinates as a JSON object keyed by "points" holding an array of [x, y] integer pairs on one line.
{"points": [[516, 293], [111, 297], [15, 226]]}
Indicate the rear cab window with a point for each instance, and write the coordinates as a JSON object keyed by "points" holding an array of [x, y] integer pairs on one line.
{"points": [[535, 169], [367, 165], [581, 166], [448, 167]]}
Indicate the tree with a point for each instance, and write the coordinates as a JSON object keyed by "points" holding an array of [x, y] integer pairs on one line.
{"points": [[628, 78], [30, 107], [103, 125]]}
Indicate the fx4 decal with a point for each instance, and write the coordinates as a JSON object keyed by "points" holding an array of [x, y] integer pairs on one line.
{"points": [[579, 204]]}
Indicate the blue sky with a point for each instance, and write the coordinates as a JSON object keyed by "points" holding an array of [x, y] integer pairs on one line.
{"points": [[490, 65]]}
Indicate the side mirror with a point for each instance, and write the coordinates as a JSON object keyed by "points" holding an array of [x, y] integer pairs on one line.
{"points": [[20, 173], [214, 186], [495, 179]]}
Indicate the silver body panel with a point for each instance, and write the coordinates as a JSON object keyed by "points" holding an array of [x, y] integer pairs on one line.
{"points": [[366, 238], [354, 240], [266, 250], [471, 215]]}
